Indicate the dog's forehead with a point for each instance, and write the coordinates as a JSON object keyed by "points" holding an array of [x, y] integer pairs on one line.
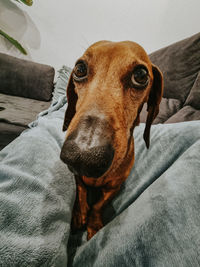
{"points": [[126, 52]]}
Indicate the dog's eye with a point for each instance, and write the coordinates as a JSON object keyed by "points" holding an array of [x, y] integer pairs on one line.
{"points": [[80, 71], [140, 77]]}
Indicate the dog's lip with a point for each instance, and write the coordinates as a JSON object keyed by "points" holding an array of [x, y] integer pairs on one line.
{"points": [[87, 175], [72, 170], [80, 173]]}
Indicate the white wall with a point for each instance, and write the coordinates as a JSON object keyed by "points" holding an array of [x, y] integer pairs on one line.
{"points": [[57, 32]]}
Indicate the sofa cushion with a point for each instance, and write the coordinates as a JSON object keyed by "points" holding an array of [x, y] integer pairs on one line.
{"points": [[8, 132], [25, 78], [19, 110], [187, 113], [180, 65], [168, 107], [15, 115], [193, 98]]}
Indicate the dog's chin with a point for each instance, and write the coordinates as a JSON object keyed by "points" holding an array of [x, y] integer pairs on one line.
{"points": [[92, 173], [73, 170]]}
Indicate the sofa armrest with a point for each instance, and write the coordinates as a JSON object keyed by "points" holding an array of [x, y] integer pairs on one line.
{"points": [[24, 78]]}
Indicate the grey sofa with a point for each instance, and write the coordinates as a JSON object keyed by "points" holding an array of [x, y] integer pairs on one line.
{"points": [[25, 90]]}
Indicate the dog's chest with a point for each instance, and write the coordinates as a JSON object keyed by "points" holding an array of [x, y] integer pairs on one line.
{"points": [[93, 195]]}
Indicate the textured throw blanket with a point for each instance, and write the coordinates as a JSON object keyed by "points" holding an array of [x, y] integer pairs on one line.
{"points": [[153, 221]]}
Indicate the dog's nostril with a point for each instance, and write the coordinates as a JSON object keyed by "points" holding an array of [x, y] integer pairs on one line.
{"points": [[70, 153], [93, 162], [97, 161]]}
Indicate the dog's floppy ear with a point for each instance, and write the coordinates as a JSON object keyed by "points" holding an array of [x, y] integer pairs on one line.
{"points": [[71, 108], [153, 102]]}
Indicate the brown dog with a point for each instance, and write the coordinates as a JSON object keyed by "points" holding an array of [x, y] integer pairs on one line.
{"points": [[106, 92]]}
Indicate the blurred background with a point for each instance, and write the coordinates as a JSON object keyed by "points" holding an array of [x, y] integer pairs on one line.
{"points": [[58, 32]]}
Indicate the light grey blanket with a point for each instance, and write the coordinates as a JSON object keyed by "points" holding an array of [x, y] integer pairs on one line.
{"points": [[153, 221]]}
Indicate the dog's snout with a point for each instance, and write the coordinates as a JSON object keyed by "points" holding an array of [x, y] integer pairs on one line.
{"points": [[88, 150]]}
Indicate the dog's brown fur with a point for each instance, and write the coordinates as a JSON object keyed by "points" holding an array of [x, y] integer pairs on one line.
{"points": [[106, 91]]}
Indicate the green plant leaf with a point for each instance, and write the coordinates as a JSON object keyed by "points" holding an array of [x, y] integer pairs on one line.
{"points": [[14, 42], [26, 2]]}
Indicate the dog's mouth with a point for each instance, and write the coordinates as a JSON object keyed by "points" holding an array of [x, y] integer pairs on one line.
{"points": [[91, 173]]}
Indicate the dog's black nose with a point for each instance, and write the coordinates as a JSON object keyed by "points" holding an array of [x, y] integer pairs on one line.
{"points": [[88, 150], [93, 162]]}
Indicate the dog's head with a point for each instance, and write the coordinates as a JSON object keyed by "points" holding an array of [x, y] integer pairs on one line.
{"points": [[106, 92]]}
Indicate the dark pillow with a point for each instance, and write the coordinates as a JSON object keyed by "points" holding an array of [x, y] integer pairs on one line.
{"points": [[193, 98], [168, 107], [187, 113], [25, 78], [180, 65]]}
